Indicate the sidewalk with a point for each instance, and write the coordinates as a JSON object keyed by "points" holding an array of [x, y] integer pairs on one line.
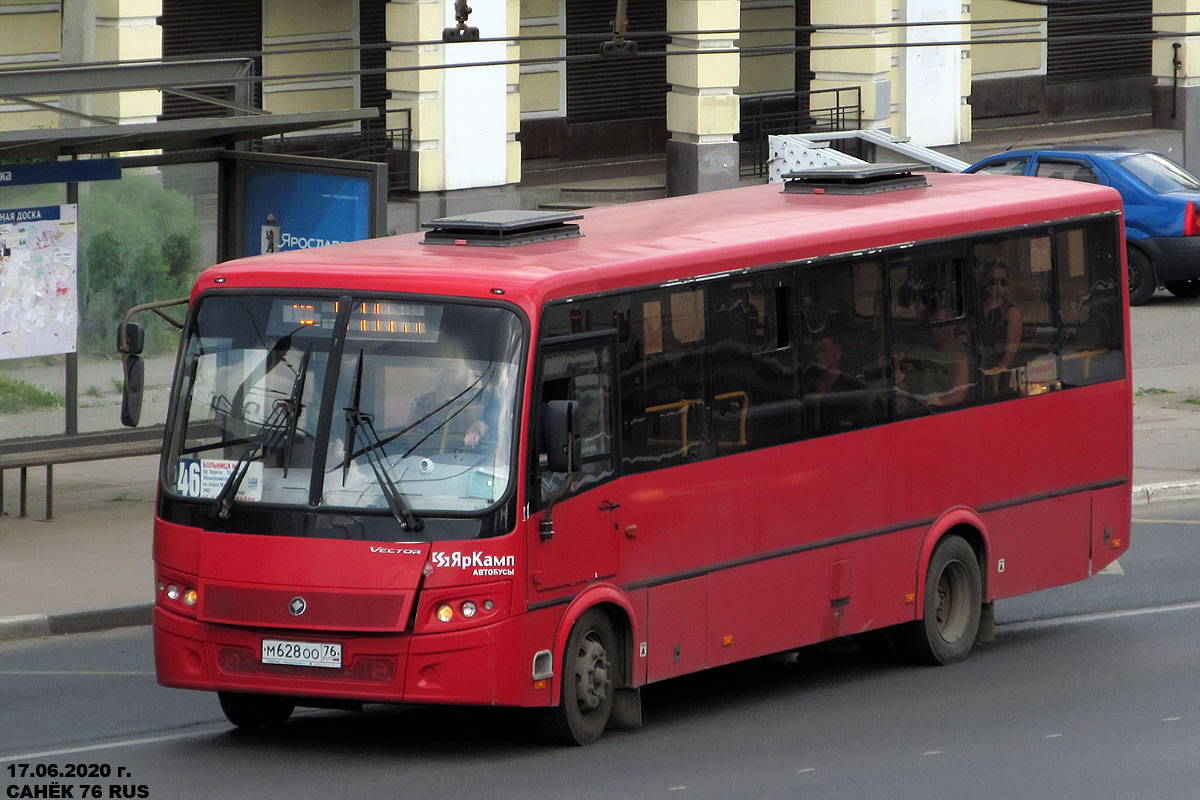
{"points": [[89, 568]]}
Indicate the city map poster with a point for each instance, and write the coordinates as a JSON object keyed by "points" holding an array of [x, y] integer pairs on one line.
{"points": [[39, 300]]}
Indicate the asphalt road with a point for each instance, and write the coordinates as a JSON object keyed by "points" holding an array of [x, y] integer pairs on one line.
{"points": [[1088, 691]]}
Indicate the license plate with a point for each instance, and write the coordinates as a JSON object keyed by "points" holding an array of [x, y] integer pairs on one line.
{"points": [[302, 654]]}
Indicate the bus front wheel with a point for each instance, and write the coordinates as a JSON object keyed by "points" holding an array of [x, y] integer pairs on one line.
{"points": [[949, 623], [256, 712], [588, 670]]}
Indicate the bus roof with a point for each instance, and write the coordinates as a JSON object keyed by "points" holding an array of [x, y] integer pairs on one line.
{"points": [[658, 241]]}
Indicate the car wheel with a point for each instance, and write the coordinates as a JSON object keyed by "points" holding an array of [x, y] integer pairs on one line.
{"points": [[1189, 290], [1141, 277]]}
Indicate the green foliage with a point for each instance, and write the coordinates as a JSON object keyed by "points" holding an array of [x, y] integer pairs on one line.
{"points": [[139, 244], [16, 395], [1144, 392]]}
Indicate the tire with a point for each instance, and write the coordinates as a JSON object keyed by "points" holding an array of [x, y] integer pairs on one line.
{"points": [[589, 666], [256, 712], [1188, 290], [953, 603], [1141, 277]]}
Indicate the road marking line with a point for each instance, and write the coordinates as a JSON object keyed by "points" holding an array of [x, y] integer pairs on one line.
{"points": [[91, 748], [1098, 616], [1168, 521], [1114, 568], [1053, 735], [54, 672], [807, 769], [932, 753], [1172, 719]]}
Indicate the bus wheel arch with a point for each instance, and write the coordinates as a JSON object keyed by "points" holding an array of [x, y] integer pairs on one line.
{"points": [[950, 596], [595, 682]]}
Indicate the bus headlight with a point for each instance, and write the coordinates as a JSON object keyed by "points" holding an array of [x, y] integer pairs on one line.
{"points": [[468, 609], [189, 597], [172, 592], [445, 613]]}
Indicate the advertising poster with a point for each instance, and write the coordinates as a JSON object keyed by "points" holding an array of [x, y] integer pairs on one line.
{"points": [[289, 209], [39, 301]]}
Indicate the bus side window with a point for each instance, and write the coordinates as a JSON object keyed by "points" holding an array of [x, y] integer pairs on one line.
{"points": [[756, 397], [1089, 286], [933, 365], [664, 380], [1015, 330], [842, 340], [581, 373]]}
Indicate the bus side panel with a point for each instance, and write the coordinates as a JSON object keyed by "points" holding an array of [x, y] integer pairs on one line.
{"points": [[775, 605], [677, 629], [1111, 511], [1036, 545]]}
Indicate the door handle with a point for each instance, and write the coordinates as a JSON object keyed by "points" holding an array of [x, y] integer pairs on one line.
{"points": [[608, 506]]}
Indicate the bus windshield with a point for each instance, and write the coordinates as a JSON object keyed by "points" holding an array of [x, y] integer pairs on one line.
{"points": [[400, 407]]}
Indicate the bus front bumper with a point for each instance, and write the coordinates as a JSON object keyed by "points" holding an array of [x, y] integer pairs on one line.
{"points": [[460, 667]]}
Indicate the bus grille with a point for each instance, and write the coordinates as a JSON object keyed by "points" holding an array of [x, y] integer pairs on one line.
{"points": [[350, 611]]}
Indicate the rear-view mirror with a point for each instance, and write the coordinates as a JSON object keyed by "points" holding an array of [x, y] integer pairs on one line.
{"points": [[131, 394], [131, 338]]}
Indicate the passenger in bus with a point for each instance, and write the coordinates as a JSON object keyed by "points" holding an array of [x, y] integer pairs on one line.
{"points": [[834, 398], [936, 371], [1000, 320]]}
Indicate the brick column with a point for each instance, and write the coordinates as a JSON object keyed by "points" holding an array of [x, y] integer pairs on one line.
{"points": [[1177, 90], [702, 106]]}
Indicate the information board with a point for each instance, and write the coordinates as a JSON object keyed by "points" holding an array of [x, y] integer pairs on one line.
{"points": [[39, 299], [290, 209]]}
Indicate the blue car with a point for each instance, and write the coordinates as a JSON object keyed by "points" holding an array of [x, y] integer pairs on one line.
{"points": [[1162, 208]]}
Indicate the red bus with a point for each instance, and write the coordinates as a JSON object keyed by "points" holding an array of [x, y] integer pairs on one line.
{"points": [[543, 460]]}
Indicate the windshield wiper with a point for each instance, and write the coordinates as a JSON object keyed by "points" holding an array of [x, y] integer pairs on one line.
{"points": [[283, 420], [358, 422]]}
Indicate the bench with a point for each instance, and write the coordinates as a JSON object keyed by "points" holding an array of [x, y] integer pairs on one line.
{"points": [[38, 451]]}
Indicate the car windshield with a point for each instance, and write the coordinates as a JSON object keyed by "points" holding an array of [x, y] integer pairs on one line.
{"points": [[366, 403], [1160, 174]]}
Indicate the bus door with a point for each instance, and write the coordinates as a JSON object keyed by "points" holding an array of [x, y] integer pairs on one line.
{"points": [[584, 506]]}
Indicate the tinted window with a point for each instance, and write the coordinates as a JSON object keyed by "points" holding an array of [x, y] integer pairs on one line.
{"points": [[1009, 166], [934, 366], [756, 397], [1089, 303], [664, 403], [1067, 170], [581, 373], [842, 339], [1015, 330]]}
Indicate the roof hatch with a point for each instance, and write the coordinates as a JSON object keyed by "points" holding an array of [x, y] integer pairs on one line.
{"points": [[854, 179], [502, 228]]}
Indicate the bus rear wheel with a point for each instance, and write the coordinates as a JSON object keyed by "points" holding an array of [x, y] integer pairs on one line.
{"points": [[949, 623], [588, 670], [256, 712]]}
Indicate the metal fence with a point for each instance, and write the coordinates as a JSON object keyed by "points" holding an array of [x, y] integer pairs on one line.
{"points": [[820, 111], [375, 142]]}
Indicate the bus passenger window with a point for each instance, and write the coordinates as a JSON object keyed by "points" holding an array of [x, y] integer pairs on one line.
{"points": [[842, 334], [1089, 289], [1015, 329], [756, 397], [664, 377], [933, 368]]}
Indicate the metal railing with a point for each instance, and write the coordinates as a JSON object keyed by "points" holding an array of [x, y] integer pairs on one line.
{"points": [[374, 142], [793, 112]]}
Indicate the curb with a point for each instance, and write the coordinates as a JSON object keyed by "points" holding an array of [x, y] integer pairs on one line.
{"points": [[1159, 492], [30, 626]]}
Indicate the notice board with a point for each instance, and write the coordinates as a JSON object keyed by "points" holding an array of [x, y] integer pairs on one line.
{"points": [[39, 298]]}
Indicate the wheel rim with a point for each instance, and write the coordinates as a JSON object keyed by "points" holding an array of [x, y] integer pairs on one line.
{"points": [[591, 674], [1135, 275], [953, 611]]}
